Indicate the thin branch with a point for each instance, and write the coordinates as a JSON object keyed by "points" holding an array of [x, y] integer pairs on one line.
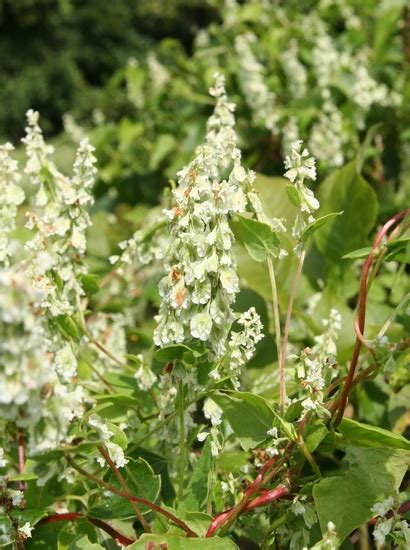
{"points": [[132, 498], [275, 302], [181, 473], [124, 484], [361, 312], [73, 516], [295, 284], [22, 457]]}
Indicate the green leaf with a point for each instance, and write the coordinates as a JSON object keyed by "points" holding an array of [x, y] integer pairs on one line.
{"points": [[372, 475], [119, 436], [358, 254], [258, 238], [197, 489], [68, 326], [249, 415], [293, 195], [355, 433], [82, 542], [345, 189], [90, 283], [175, 542], [76, 535], [23, 477], [399, 250], [141, 481], [314, 226], [160, 466], [178, 351], [315, 434]]}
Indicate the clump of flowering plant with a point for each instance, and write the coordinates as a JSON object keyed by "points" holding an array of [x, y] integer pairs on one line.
{"points": [[216, 403]]}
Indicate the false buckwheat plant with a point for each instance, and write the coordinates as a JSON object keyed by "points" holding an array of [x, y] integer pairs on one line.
{"points": [[207, 385]]}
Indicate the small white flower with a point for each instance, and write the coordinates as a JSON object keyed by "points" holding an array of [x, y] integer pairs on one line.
{"points": [[201, 326], [202, 436], [3, 461], [26, 530], [66, 363], [212, 412], [145, 377], [382, 529], [381, 508], [229, 280], [17, 497]]}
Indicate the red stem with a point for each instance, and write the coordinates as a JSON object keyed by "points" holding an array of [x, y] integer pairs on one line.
{"points": [[361, 312], [132, 498], [266, 498], [22, 459], [72, 516]]}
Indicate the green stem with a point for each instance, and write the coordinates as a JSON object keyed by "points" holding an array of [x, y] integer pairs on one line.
{"points": [[181, 441], [275, 302], [292, 296], [307, 454]]}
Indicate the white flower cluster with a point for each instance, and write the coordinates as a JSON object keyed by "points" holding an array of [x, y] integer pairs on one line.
{"points": [[37, 150], [37, 365], [60, 226], [213, 413], [141, 249], [299, 165], [327, 60], [241, 345], [32, 393], [315, 365], [115, 452], [260, 99], [201, 281], [3, 461], [11, 197], [328, 137], [329, 541], [366, 91], [145, 377], [394, 525], [11, 528], [295, 71]]}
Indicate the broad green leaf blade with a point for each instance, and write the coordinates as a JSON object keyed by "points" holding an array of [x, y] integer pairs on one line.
{"points": [[142, 482], [319, 222], [160, 466], [258, 238], [399, 251], [249, 415], [178, 351], [355, 433], [197, 489], [372, 475], [358, 254], [175, 542], [346, 190], [315, 434]]}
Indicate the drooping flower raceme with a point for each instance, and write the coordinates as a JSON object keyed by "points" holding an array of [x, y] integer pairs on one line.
{"points": [[299, 166], [241, 345], [201, 281], [11, 196], [257, 94], [38, 364], [314, 369]]}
